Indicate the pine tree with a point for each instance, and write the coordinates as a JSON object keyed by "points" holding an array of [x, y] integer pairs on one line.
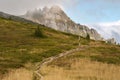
{"points": [[88, 37], [38, 32]]}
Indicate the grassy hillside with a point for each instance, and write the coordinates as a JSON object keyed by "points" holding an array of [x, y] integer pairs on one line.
{"points": [[99, 61], [19, 46]]}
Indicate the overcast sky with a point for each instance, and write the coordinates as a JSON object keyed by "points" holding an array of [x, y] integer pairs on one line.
{"points": [[82, 11], [95, 13], [21, 6]]}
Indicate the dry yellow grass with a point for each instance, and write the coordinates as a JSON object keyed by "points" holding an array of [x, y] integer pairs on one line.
{"points": [[19, 74], [82, 69]]}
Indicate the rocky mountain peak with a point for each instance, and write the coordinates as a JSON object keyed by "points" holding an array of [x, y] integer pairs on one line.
{"points": [[55, 8], [45, 9], [56, 18]]}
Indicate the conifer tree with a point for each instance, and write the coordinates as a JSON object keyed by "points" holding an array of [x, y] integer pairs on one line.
{"points": [[38, 32]]}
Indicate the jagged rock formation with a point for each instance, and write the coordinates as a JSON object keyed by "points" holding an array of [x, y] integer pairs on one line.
{"points": [[111, 41], [55, 18]]}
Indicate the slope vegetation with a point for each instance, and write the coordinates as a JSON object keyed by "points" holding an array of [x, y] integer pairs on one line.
{"points": [[99, 61], [21, 49], [19, 46]]}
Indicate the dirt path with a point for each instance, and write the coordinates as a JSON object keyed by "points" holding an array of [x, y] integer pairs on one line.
{"points": [[38, 73]]}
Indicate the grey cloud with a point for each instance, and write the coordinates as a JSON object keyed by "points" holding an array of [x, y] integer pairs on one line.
{"points": [[116, 36], [21, 6], [108, 30]]}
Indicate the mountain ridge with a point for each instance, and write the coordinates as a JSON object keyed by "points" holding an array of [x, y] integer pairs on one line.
{"points": [[56, 18], [15, 18]]}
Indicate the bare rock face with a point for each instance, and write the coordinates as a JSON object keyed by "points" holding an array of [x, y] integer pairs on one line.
{"points": [[55, 18], [111, 41]]}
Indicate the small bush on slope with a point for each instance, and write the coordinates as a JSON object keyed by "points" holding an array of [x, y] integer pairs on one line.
{"points": [[18, 46], [38, 32]]}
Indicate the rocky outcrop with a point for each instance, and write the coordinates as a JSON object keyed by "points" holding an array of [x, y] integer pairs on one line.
{"points": [[55, 18], [111, 41]]}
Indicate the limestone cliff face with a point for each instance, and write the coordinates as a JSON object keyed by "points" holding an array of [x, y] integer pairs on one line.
{"points": [[55, 18], [111, 41]]}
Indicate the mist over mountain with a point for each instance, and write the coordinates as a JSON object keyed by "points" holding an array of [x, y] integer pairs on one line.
{"points": [[108, 29], [56, 18], [15, 18]]}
